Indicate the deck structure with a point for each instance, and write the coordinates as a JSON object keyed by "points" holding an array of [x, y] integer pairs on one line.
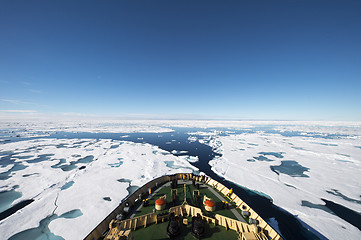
{"points": [[185, 196]]}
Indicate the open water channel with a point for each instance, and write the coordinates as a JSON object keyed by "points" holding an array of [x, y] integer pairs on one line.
{"points": [[290, 227]]}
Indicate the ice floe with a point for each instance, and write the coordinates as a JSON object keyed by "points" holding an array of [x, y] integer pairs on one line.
{"points": [[294, 171]]}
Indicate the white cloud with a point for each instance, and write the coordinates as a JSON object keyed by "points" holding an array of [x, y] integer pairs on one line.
{"points": [[19, 102], [13, 101], [34, 90], [18, 111]]}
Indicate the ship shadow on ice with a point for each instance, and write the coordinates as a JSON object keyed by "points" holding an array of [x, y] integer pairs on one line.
{"points": [[345, 213], [309, 228]]}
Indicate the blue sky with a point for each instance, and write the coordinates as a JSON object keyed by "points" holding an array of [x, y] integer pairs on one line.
{"points": [[297, 60]]}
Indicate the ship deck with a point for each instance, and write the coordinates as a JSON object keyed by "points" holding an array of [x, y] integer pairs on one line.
{"points": [[159, 231], [231, 211], [185, 191], [185, 204]]}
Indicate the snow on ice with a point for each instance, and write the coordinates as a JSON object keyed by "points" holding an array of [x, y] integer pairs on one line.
{"points": [[296, 164]]}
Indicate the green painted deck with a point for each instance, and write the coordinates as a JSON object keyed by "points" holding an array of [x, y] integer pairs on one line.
{"points": [[215, 226], [159, 231], [203, 190]]}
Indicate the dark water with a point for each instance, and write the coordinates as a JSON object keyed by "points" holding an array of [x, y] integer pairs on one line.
{"points": [[73, 164], [275, 154], [337, 193], [41, 158], [291, 168], [67, 185], [7, 158]]}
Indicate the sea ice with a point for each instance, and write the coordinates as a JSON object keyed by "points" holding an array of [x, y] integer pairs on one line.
{"points": [[57, 191], [77, 182], [306, 173]]}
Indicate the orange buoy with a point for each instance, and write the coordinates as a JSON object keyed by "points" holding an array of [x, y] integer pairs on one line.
{"points": [[160, 204], [209, 205]]}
